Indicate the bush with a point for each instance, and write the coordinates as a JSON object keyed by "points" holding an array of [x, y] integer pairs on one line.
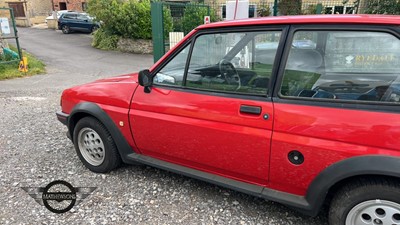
{"points": [[289, 7], [104, 40], [391, 7], [168, 22], [126, 18], [264, 10], [194, 16], [311, 9]]}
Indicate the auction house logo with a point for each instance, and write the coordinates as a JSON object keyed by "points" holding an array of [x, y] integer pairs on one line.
{"points": [[59, 196]]}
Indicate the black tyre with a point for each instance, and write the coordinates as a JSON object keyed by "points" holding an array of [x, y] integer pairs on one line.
{"points": [[372, 201], [95, 146], [94, 28], [65, 29]]}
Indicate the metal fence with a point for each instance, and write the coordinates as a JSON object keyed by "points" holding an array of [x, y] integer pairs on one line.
{"points": [[171, 21], [308, 7], [8, 32]]}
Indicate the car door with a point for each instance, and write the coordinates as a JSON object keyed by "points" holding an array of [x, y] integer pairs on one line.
{"points": [[83, 22], [209, 107], [70, 20], [337, 97]]}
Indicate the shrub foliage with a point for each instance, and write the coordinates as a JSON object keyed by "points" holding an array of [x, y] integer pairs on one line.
{"points": [[194, 16], [391, 7], [125, 18], [290, 7]]}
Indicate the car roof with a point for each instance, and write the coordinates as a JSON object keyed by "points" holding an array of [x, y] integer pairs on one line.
{"points": [[310, 19]]}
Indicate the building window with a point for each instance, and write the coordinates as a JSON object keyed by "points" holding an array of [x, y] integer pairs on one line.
{"points": [[84, 6], [339, 10], [63, 6], [18, 8], [252, 11]]}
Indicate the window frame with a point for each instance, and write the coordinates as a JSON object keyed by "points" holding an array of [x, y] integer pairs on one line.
{"points": [[284, 29], [18, 9], [337, 103], [170, 58]]}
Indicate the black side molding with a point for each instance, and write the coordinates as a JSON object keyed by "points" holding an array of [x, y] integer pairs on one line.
{"points": [[62, 117], [294, 201]]}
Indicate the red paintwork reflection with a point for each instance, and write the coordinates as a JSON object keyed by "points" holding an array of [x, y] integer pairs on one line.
{"points": [[114, 91], [325, 136], [113, 95]]}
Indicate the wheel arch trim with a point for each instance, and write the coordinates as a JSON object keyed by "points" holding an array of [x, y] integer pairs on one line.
{"points": [[95, 111], [373, 165]]}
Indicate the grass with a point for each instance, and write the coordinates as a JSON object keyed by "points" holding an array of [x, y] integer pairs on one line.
{"points": [[10, 70]]}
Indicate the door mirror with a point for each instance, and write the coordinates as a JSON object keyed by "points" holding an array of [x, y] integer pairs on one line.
{"points": [[145, 80]]}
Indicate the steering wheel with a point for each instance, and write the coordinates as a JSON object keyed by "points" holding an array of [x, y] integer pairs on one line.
{"points": [[229, 73]]}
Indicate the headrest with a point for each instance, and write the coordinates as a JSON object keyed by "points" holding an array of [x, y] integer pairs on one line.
{"points": [[304, 60]]}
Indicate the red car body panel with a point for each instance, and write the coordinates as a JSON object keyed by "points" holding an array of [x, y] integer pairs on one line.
{"points": [[201, 131], [113, 95], [209, 133], [326, 135]]}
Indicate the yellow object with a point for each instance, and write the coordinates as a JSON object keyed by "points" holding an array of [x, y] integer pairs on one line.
{"points": [[23, 65]]}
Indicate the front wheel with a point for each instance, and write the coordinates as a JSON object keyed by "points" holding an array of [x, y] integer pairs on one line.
{"points": [[95, 146], [65, 29], [374, 202]]}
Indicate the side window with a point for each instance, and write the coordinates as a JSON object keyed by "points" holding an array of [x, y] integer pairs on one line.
{"points": [[233, 62], [344, 65], [172, 73], [82, 17], [70, 16]]}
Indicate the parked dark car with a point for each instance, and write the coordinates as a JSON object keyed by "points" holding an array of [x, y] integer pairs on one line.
{"points": [[74, 21]]}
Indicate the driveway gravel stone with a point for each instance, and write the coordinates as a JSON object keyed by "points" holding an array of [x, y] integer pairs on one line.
{"points": [[34, 151]]}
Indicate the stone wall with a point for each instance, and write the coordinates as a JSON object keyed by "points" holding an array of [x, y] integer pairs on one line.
{"points": [[39, 8], [135, 46], [35, 11], [75, 5]]}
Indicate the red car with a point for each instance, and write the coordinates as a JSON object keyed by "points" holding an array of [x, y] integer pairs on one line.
{"points": [[299, 110]]}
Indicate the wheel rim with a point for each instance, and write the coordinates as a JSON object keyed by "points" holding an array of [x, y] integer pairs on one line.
{"points": [[374, 212], [91, 146], [65, 29]]}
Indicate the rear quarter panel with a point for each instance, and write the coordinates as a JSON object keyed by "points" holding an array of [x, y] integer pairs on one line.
{"points": [[326, 135]]}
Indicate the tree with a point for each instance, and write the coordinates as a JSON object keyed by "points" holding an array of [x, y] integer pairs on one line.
{"points": [[391, 7]]}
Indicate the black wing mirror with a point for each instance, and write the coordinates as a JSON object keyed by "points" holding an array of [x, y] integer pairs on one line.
{"points": [[145, 80]]}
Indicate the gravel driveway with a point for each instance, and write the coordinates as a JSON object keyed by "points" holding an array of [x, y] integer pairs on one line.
{"points": [[35, 151]]}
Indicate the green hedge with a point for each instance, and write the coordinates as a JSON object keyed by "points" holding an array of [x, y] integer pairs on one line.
{"points": [[102, 39], [391, 7], [125, 18], [194, 16]]}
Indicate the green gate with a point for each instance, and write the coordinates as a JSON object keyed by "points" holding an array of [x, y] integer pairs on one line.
{"points": [[8, 31], [169, 17]]}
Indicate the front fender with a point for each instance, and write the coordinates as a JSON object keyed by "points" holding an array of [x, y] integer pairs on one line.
{"points": [[88, 108]]}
